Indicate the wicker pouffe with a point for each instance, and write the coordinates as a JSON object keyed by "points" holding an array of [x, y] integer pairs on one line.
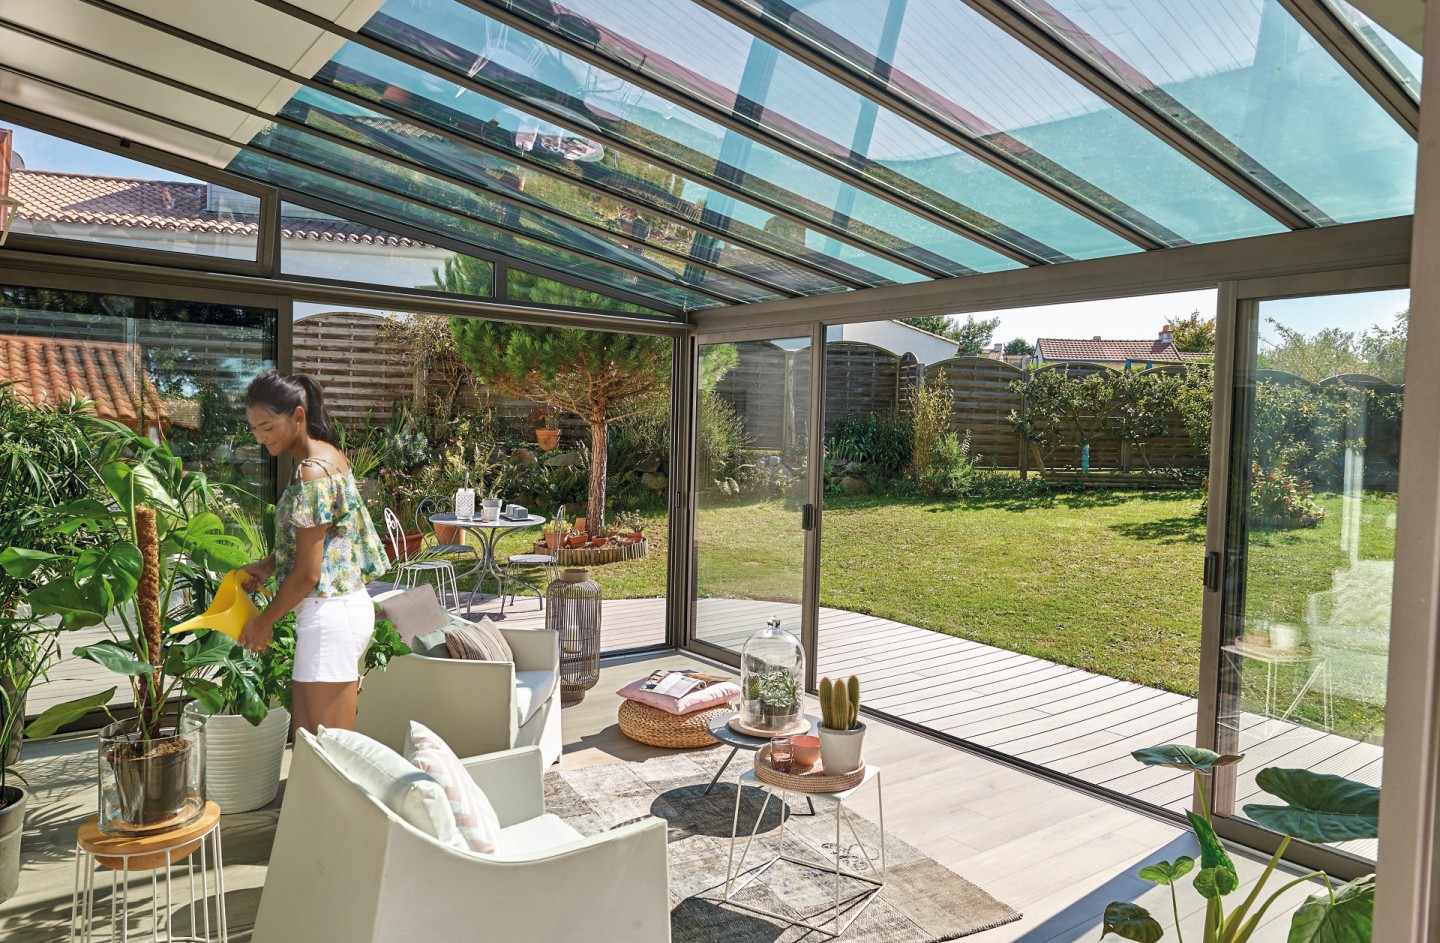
{"points": [[658, 728]]}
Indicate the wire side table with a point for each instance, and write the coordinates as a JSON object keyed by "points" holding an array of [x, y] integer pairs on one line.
{"points": [[156, 852], [831, 926]]}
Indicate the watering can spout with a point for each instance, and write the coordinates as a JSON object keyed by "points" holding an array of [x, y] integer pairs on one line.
{"points": [[229, 610]]}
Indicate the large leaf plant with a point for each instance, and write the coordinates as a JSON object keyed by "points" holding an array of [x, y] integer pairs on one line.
{"points": [[153, 525], [1314, 807]]}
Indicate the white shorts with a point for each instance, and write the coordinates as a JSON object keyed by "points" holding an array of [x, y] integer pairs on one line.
{"points": [[331, 635]]}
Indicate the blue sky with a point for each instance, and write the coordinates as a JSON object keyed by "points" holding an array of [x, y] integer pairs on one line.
{"points": [[43, 152]]}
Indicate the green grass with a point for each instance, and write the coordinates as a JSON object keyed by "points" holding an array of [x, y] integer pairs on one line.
{"points": [[1105, 581]]}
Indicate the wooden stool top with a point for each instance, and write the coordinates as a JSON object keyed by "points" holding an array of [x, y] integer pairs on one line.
{"points": [[98, 843]]}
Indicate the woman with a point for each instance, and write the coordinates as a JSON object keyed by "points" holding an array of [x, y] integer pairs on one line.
{"points": [[326, 549]]}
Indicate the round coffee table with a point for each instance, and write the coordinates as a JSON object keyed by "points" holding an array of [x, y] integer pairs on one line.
{"points": [[721, 730]]}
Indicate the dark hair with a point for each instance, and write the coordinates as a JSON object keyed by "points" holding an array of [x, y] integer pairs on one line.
{"points": [[284, 393]]}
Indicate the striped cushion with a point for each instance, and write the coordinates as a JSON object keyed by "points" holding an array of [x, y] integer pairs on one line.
{"points": [[475, 817], [479, 642]]}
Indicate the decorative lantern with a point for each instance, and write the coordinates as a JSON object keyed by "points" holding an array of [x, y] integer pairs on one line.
{"points": [[572, 609], [465, 501], [772, 682]]}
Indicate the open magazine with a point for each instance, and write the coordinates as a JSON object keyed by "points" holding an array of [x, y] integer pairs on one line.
{"points": [[677, 684]]}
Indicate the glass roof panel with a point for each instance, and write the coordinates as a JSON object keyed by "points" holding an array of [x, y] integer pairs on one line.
{"points": [[723, 65], [472, 232], [555, 84], [535, 141], [512, 183], [946, 57], [416, 185], [1254, 75], [1400, 60]]}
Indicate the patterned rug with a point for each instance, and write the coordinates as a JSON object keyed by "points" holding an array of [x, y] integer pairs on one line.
{"points": [[921, 902]]}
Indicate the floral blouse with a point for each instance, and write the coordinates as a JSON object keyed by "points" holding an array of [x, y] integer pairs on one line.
{"points": [[353, 553]]}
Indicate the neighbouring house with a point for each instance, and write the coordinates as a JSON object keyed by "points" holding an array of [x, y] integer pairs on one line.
{"points": [[1116, 352], [896, 337], [49, 370]]}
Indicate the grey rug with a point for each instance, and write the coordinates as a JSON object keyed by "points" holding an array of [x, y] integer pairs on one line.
{"points": [[921, 902]]}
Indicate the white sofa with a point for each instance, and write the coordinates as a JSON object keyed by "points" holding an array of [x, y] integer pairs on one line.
{"points": [[344, 867], [474, 706]]}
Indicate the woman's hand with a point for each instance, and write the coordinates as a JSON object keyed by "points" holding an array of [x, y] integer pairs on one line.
{"points": [[260, 571], [257, 634]]}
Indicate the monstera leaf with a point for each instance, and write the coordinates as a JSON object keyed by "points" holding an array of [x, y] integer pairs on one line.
{"points": [[117, 568], [1131, 922], [1319, 807], [1347, 920], [1180, 756]]}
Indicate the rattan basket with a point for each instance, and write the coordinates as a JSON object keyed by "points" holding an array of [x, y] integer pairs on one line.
{"points": [[810, 780], [658, 728]]}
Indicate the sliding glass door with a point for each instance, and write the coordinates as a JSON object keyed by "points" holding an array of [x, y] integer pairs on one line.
{"points": [[1310, 538], [752, 509]]}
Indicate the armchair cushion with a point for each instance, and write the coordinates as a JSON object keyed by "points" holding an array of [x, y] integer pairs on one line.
{"points": [[431, 644], [474, 815], [480, 641], [395, 783], [414, 612], [536, 836], [532, 688]]}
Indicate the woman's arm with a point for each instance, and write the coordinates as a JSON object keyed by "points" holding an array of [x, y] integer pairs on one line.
{"points": [[301, 582]]}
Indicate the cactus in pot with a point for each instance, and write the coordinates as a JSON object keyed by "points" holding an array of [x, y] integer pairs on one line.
{"points": [[841, 732]]}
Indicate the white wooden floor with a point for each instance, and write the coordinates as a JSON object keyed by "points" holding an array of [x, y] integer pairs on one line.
{"points": [[1072, 721], [1053, 853]]}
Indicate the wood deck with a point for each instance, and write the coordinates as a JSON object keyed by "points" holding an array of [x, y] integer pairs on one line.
{"points": [[1065, 719]]}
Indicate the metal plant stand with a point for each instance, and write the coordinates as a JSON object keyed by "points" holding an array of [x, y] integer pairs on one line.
{"points": [[573, 611]]}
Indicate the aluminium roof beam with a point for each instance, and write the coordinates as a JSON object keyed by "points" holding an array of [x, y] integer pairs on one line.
{"points": [[348, 181], [1174, 124], [1337, 37], [924, 203], [377, 154], [994, 148], [560, 118]]}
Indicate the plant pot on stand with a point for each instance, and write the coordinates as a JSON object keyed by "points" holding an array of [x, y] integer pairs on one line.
{"points": [[153, 783], [242, 760]]}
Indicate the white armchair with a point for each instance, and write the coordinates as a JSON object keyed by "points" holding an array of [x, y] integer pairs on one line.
{"points": [[474, 706], [343, 867]]}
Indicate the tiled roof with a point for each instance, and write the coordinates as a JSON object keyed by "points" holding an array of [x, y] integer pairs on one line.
{"points": [[46, 370], [54, 197], [1052, 349]]}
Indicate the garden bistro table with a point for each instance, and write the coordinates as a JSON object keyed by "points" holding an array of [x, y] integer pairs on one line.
{"points": [[490, 532]]}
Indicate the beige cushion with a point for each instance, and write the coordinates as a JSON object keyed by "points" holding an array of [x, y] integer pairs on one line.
{"points": [[532, 688], [414, 612], [481, 641], [536, 836], [474, 815]]}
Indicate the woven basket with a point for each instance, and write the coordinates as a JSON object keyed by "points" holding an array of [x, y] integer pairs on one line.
{"points": [[659, 728], [811, 780]]}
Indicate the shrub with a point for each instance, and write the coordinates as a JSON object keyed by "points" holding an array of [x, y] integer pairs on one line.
{"points": [[952, 472], [882, 443], [930, 405], [1279, 499], [720, 437]]}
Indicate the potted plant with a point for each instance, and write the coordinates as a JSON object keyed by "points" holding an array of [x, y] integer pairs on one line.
{"points": [[779, 696], [244, 705], [159, 543], [631, 524], [547, 433], [1316, 808], [841, 731], [553, 531], [26, 648]]}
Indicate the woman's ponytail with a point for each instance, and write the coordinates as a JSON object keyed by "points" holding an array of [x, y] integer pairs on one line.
{"points": [[284, 393], [316, 422]]}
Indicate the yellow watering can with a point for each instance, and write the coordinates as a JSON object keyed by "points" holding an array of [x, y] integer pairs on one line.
{"points": [[229, 610]]}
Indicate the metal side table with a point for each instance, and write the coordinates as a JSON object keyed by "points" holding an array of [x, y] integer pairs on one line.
{"points": [[721, 730]]}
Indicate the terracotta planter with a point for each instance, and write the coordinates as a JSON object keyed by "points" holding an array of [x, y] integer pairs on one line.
{"points": [[413, 542], [599, 541], [547, 439], [575, 540], [449, 534], [551, 540], [580, 525], [637, 536]]}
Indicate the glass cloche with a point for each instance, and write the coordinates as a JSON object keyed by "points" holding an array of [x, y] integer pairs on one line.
{"points": [[772, 682]]}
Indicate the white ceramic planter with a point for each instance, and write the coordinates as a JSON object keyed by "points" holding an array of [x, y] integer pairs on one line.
{"points": [[242, 763], [840, 749]]}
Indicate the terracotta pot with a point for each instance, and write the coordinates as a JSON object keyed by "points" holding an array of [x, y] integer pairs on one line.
{"points": [[413, 542], [580, 524], [600, 541], [547, 439], [449, 534], [807, 750], [637, 536], [575, 540], [551, 540]]}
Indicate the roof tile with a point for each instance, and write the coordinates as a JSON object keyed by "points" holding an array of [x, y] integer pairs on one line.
{"points": [[1053, 349], [47, 370]]}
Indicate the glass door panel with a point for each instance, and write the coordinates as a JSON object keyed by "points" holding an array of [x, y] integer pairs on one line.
{"points": [[750, 488], [1315, 452]]}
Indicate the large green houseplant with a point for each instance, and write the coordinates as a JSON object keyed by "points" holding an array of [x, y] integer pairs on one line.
{"points": [[1315, 807], [149, 556]]}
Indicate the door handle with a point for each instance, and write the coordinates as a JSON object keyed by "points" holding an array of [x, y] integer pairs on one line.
{"points": [[807, 517]]}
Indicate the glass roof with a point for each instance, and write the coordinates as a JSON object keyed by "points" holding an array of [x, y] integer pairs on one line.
{"points": [[703, 153]]}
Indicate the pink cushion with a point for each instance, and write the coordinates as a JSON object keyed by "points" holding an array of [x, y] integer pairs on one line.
{"points": [[475, 817], [722, 692]]}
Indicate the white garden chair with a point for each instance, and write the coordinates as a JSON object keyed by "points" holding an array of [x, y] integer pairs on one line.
{"points": [[409, 569]]}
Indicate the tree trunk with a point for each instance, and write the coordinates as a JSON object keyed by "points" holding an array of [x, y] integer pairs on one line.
{"points": [[595, 514]]}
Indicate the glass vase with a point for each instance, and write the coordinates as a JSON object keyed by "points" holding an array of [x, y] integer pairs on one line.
{"points": [[772, 683], [149, 784]]}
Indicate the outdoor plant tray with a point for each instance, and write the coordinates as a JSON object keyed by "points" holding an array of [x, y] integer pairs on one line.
{"points": [[810, 780], [799, 727]]}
